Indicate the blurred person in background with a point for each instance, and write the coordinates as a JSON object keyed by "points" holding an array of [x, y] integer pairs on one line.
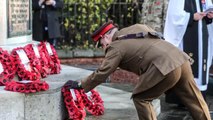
{"points": [[154, 14], [46, 24]]}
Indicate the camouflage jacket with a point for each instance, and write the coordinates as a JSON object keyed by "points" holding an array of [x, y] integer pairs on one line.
{"points": [[154, 14]]}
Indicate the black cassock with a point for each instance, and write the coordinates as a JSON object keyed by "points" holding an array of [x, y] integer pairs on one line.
{"points": [[195, 43]]}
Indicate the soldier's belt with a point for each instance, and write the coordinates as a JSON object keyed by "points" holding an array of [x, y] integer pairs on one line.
{"points": [[140, 35]]}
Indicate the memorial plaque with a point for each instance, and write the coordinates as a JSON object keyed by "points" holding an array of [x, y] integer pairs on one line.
{"points": [[19, 18]]}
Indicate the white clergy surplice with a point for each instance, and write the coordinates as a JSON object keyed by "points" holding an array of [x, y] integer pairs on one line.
{"points": [[191, 36]]}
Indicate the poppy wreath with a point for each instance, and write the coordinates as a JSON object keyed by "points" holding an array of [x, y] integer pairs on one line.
{"points": [[44, 61], [8, 67], [32, 74], [53, 61], [27, 87], [75, 108], [37, 61], [93, 102]]}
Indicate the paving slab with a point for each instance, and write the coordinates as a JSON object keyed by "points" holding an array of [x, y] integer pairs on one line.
{"points": [[172, 112], [118, 105], [168, 111]]}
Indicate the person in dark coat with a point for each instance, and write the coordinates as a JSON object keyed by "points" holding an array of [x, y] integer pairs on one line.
{"points": [[46, 26], [160, 66]]}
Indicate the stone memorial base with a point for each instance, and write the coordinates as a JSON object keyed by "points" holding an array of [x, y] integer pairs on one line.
{"points": [[48, 105]]}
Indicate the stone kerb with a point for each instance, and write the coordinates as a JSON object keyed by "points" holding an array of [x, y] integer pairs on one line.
{"points": [[65, 54], [83, 53], [79, 53]]}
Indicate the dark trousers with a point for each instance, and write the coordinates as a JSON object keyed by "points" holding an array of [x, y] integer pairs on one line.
{"points": [[52, 41]]}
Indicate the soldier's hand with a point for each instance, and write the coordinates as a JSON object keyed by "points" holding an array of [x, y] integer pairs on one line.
{"points": [[70, 84]]}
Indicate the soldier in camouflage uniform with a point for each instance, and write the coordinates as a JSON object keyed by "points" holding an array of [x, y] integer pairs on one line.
{"points": [[154, 14]]}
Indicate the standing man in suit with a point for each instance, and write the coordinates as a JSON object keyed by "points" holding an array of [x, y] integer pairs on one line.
{"points": [[160, 66], [46, 26]]}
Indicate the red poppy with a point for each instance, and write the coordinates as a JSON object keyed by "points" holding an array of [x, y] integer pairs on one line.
{"points": [[74, 107], [93, 102], [26, 71], [52, 60], [27, 86], [34, 56], [8, 67]]}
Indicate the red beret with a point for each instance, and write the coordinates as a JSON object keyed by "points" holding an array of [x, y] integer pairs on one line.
{"points": [[102, 30]]}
